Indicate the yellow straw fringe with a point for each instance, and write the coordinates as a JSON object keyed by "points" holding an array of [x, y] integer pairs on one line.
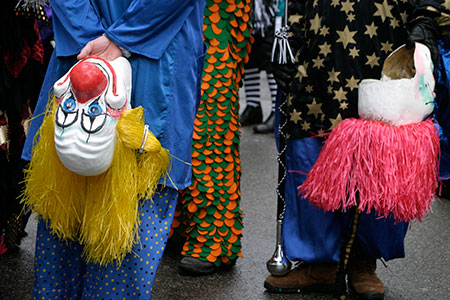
{"points": [[51, 189], [131, 129], [101, 212]]}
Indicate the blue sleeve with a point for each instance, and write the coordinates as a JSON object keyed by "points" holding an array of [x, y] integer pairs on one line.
{"points": [[75, 23], [148, 26]]}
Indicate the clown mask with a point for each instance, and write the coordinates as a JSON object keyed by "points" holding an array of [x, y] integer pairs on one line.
{"points": [[91, 98], [404, 95]]}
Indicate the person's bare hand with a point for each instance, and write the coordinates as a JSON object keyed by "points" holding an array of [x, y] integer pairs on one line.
{"points": [[102, 47]]}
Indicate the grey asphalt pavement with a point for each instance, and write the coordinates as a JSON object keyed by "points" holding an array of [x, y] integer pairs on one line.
{"points": [[423, 274]]}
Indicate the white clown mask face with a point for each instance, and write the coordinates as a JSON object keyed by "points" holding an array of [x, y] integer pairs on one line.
{"points": [[91, 98], [404, 94]]}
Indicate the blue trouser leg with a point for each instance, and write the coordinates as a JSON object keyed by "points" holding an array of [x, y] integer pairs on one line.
{"points": [[61, 272]]}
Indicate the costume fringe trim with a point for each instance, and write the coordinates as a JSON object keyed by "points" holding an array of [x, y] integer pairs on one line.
{"points": [[101, 212], [394, 169], [32, 3]]}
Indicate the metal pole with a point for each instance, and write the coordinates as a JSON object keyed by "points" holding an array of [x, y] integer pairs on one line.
{"points": [[278, 264]]}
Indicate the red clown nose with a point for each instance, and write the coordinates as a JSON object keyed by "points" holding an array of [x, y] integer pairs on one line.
{"points": [[87, 81]]}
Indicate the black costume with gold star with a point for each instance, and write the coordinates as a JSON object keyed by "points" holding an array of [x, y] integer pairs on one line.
{"points": [[336, 45], [339, 43]]}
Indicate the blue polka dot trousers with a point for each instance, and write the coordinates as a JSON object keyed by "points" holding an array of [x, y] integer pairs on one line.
{"points": [[61, 272]]}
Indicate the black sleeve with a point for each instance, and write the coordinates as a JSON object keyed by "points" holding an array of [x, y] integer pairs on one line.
{"points": [[438, 10], [426, 24], [285, 73]]}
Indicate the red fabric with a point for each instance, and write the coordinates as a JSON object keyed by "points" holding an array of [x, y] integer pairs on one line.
{"points": [[14, 64], [393, 168], [3, 248], [38, 47]]}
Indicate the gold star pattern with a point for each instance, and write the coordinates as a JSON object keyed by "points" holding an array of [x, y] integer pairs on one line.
{"points": [[352, 83], [395, 23], [295, 116], [371, 30], [315, 23], [346, 36], [320, 133], [347, 6], [314, 108], [354, 52], [330, 89], [297, 55], [341, 34], [343, 105], [372, 60], [334, 3], [333, 76], [325, 49], [324, 30], [306, 126], [404, 16], [350, 17], [294, 19], [335, 122], [340, 94], [301, 71], [318, 63], [386, 47], [383, 10]]}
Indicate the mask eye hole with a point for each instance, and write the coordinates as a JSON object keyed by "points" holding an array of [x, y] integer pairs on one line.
{"points": [[94, 110], [69, 105]]}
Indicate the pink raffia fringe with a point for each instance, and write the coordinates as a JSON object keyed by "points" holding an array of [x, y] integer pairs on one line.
{"points": [[393, 168]]}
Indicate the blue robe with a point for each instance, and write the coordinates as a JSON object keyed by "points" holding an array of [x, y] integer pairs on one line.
{"points": [[166, 42], [165, 38], [442, 105]]}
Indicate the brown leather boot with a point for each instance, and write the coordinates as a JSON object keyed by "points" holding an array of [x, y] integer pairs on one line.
{"points": [[317, 278], [362, 278]]}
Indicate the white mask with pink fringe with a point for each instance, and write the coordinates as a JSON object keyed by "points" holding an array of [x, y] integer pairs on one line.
{"points": [[387, 161]]}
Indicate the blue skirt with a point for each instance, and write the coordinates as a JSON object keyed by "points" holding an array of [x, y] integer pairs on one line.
{"points": [[311, 235], [61, 272]]}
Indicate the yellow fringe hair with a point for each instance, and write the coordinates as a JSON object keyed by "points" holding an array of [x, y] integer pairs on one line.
{"points": [[101, 212]]}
